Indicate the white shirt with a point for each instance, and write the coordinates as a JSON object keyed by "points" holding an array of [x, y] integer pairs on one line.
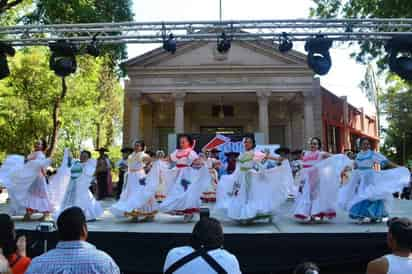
{"points": [[399, 265], [198, 265]]}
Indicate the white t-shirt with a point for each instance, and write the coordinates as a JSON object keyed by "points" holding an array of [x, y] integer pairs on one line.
{"points": [[198, 265], [399, 265]]}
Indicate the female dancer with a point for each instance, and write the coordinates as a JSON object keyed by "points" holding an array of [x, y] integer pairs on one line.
{"points": [[367, 193], [184, 183], [321, 179], [137, 197], [77, 177], [257, 191]]}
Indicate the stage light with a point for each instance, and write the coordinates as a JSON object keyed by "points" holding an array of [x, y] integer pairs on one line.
{"points": [[5, 50], [63, 58], [169, 44], [223, 43], [400, 60], [92, 48], [285, 43], [319, 59]]}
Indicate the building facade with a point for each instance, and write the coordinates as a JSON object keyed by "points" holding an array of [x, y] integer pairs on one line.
{"points": [[251, 89]]}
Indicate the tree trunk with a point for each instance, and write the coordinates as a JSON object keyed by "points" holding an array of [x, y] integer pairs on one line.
{"points": [[56, 121]]}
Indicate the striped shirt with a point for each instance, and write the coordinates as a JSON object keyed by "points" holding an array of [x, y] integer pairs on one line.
{"points": [[74, 257]]}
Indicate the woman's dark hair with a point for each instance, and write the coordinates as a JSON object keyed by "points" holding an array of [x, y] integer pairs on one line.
{"points": [[43, 144], [7, 235], [363, 139], [89, 154], [188, 138], [251, 139], [307, 268], [207, 233], [141, 143], [70, 224], [319, 141]]}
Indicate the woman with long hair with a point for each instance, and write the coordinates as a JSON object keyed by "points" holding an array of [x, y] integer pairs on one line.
{"points": [[185, 182], [320, 180], [257, 191], [137, 197], [28, 189], [14, 250], [367, 193]]}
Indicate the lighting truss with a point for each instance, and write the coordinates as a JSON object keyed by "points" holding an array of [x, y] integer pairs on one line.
{"points": [[154, 32]]}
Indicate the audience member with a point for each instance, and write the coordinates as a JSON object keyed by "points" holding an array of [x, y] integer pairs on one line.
{"points": [[73, 254], [206, 253], [12, 250], [399, 240], [307, 268]]}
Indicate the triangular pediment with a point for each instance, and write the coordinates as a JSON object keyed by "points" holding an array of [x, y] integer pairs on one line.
{"points": [[192, 54]]}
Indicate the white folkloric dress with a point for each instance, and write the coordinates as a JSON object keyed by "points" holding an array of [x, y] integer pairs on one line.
{"points": [[321, 180], [253, 191], [138, 193], [368, 192], [27, 186], [184, 184], [209, 196], [76, 177]]}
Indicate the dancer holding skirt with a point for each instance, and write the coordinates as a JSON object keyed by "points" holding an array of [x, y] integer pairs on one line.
{"points": [[368, 193], [137, 197], [255, 192], [320, 180]]}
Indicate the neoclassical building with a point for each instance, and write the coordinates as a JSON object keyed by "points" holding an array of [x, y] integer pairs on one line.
{"points": [[252, 89]]}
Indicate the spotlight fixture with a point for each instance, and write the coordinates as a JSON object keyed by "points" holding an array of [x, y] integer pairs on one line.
{"points": [[400, 52], [92, 48], [63, 58], [5, 50], [285, 43], [223, 43], [319, 59], [169, 44]]}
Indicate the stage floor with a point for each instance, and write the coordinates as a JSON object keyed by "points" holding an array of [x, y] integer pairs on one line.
{"points": [[282, 222]]}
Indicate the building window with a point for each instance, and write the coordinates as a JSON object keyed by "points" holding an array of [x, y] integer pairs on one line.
{"points": [[333, 139], [223, 110], [277, 135]]}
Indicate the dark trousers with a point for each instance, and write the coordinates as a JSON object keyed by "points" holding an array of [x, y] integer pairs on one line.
{"points": [[120, 184], [102, 191]]}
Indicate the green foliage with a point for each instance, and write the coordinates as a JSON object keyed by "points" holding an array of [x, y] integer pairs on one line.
{"points": [[396, 101], [27, 96]]}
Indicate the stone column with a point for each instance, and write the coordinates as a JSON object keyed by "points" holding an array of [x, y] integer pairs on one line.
{"points": [[179, 112], [263, 102], [135, 100], [308, 117], [362, 118]]}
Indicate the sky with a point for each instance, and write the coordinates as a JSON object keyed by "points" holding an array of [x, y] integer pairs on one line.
{"points": [[344, 76]]}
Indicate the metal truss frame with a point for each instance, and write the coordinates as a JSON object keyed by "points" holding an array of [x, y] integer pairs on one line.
{"points": [[245, 30]]}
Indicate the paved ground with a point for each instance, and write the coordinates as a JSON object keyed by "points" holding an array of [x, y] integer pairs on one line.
{"points": [[282, 223]]}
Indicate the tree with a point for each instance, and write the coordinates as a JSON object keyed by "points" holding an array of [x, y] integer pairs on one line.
{"points": [[396, 100]]}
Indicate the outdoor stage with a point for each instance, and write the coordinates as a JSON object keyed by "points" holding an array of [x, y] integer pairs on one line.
{"points": [[261, 248]]}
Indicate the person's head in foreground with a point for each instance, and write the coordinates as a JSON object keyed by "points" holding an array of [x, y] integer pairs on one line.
{"points": [[72, 253], [208, 234], [399, 240], [207, 239], [14, 251], [71, 225], [307, 268]]}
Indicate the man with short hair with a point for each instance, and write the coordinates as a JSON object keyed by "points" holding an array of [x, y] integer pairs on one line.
{"points": [[73, 254], [205, 255], [399, 241]]}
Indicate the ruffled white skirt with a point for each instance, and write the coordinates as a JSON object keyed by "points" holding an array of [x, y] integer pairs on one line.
{"points": [[246, 195], [319, 194], [183, 189], [138, 194], [372, 185]]}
